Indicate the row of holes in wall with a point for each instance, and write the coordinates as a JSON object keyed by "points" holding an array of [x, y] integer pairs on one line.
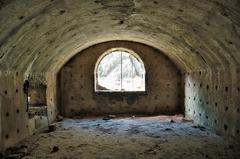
{"points": [[216, 87], [225, 126]]}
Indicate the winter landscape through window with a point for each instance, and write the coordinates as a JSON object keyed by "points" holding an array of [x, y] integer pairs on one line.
{"points": [[119, 70]]}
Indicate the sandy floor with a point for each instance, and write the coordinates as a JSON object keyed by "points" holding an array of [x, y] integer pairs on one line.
{"points": [[128, 138]]}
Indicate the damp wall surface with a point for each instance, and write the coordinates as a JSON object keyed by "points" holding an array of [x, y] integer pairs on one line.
{"points": [[212, 99], [163, 85]]}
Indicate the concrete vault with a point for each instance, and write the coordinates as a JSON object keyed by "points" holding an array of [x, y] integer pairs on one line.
{"points": [[201, 39]]}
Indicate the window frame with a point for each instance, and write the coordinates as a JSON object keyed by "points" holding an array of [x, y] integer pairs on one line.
{"points": [[109, 51]]}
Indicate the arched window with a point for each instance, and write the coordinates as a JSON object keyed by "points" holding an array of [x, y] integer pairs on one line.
{"points": [[119, 70]]}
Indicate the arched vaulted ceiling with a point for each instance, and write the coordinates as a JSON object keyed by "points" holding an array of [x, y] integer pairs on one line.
{"points": [[42, 35]]}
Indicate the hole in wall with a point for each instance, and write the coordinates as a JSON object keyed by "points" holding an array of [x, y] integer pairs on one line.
{"points": [[225, 127], [207, 87], [5, 92], [16, 90], [7, 114], [226, 89], [216, 87], [18, 131], [237, 131], [6, 136], [17, 111], [226, 109]]}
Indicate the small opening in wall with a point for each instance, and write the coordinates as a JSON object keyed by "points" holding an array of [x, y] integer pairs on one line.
{"points": [[226, 108], [225, 127], [238, 89], [6, 136], [226, 89], [207, 87], [206, 117], [238, 110], [200, 85], [216, 104], [16, 90], [200, 72], [216, 87], [17, 111], [215, 121], [237, 131], [7, 114], [18, 131], [5, 92]]}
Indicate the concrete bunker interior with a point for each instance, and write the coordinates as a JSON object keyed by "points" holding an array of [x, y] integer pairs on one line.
{"points": [[163, 88], [190, 50]]}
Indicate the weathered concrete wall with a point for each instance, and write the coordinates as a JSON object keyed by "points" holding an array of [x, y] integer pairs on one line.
{"points": [[163, 85], [15, 124], [212, 99], [14, 121]]}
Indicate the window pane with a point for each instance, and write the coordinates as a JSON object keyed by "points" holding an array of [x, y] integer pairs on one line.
{"points": [[109, 72], [133, 73], [120, 71]]}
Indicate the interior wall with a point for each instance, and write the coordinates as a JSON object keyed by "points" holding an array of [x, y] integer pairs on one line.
{"points": [[212, 99], [163, 85], [14, 121]]}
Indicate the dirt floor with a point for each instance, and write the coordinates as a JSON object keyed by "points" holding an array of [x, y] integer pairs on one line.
{"points": [[159, 137]]}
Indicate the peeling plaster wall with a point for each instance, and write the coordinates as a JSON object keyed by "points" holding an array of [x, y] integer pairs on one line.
{"points": [[163, 85]]}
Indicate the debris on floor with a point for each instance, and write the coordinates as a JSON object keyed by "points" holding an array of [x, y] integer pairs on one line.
{"points": [[138, 138]]}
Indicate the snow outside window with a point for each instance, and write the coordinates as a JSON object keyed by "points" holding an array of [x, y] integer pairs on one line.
{"points": [[119, 71]]}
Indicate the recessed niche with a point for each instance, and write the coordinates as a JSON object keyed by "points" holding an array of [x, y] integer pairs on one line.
{"points": [[7, 114], [206, 117], [6, 136], [18, 131], [207, 87], [17, 111], [238, 110], [5, 92], [215, 121], [200, 85], [216, 87], [237, 131], [216, 104], [16, 90]]}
